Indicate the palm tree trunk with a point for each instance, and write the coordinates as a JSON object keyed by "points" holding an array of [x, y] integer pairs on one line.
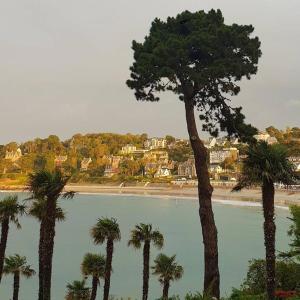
{"points": [[146, 257], [41, 272], [3, 242], [47, 249], [166, 290], [109, 255], [94, 288], [16, 285], [209, 230], [269, 233]]}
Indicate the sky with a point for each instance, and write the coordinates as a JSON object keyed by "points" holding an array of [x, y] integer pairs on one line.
{"points": [[64, 64]]}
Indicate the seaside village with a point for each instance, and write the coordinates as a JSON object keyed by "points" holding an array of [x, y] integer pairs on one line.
{"points": [[156, 159]]}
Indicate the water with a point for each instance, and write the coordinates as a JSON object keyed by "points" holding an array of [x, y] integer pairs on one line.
{"points": [[240, 239]]}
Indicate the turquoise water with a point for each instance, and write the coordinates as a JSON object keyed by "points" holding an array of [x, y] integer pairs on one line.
{"points": [[240, 239]]}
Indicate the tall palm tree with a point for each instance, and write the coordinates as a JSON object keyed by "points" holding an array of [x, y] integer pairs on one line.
{"points": [[38, 211], [17, 265], [94, 265], [143, 233], [167, 270], [10, 210], [264, 166], [106, 230], [48, 186], [77, 291]]}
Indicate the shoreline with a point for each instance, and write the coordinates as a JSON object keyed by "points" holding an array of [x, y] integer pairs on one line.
{"points": [[282, 197]]}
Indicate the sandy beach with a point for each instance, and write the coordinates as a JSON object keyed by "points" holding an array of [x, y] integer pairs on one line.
{"points": [[282, 197]]}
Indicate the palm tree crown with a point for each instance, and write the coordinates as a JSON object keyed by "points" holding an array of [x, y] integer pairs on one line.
{"points": [[266, 163], [144, 233], [49, 185], [167, 268], [18, 264], [10, 209], [94, 265], [77, 291], [106, 229], [38, 210]]}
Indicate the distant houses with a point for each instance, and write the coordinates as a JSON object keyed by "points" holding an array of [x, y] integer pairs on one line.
{"points": [[131, 149], [13, 155], [84, 165], [220, 142], [163, 171], [295, 160], [155, 143], [157, 158], [187, 168], [264, 136], [128, 149], [218, 156], [112, 167]]}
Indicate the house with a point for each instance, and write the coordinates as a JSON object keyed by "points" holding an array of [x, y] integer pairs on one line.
{"points": [[60, 159], [13, 155], [187, 168], [110, 171], [163, 171], [112, 166], [160, 156], [211, 142], [215, 169], [85, 164], [128, 149], [295, 160], [155, 143], [272, 140], [264, 136], [131, 149], [218, 156]]}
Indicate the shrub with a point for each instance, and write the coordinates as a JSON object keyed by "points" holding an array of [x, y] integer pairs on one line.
{"points": [[287, 277]]}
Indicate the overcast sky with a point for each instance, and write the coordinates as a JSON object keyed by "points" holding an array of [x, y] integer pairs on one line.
{"points": [[64, 64]]}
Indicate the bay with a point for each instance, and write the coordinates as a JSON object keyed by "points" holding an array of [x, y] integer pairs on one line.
{"points": [[239, 230]]}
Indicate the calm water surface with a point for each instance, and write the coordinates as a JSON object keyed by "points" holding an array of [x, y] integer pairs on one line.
{"points": [[240, 239]]}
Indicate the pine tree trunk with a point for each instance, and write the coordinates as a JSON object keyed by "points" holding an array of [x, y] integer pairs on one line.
{"points": [[41, 272], [16, 286], [269, 233], [209, 230], [3, 242], [48, 245], [94, 288], [146, 258], [166, 290], [108, 265]]}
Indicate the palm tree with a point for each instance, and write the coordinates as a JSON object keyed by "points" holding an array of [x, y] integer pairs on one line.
{"points": [[94, 265], [106, 230], [167, 270], [38, 211], [143, 233], [77, 291], [265, 165], [17, 265], [10, 209], [47, 186]]}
